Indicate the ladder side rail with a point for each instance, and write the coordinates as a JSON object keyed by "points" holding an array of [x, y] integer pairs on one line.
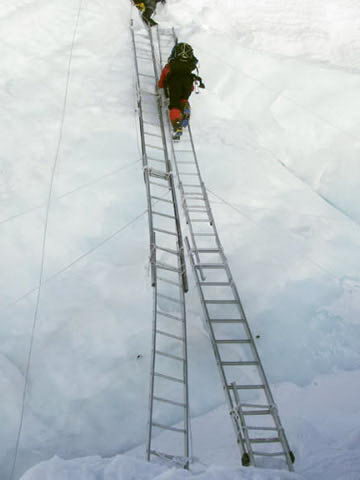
{"points": [[239, 411], [152, 248], [183, 201], [185, 376], [194, 153], [228, 397], [260, 368], [262, 375], [152, 376], [144, 162], [232, 284], [158, 40], [168, 166]]}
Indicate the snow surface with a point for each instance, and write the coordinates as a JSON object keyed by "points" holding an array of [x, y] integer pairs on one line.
{"points": [[277, 136]]}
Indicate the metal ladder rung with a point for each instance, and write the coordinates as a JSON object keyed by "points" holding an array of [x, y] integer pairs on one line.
{"points": [[159, 184], [169, 355], [168, 377], [209, 265], [240, 341], [153, 134], [169, 315], [170, 335], [206, 250], [215, 284], [159, 199], [156, 147], [158, 174], [167, 427], [166, 280], [274, 429], [221, 302], [171, 299], [254, 405], [226, 320], [163, 215], [148, 112], [264, 440], [171, 402], [199, 220], [185, 162], [146, 74], [183, 151], [166, 266], [168, 250], [160, 230], [204, 235], [142, 37], [239, 364], [146, 92], [256, 412], [265, 454], [198, 198], [246, 387], [159, 160], [145, 122], [190, 196], [191, 185], [196, 209]]}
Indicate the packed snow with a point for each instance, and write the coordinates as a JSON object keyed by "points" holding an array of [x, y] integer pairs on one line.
{"points": [[276, 132]]}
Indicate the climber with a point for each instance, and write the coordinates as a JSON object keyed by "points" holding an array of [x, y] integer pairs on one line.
{"points": [[177, 80], [147, 8]]}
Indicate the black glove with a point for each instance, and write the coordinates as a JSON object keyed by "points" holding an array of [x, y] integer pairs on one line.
{"points": [[199, 80]]}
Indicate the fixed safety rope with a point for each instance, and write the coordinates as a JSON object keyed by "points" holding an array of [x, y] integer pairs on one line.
{"points": [[43, 248]]}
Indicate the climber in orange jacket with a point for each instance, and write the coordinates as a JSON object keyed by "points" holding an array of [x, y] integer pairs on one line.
{"points": [[177, 80]]}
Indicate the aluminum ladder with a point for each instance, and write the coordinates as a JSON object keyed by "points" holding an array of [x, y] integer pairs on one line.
{"points": [[168, 398], [254, 414]]}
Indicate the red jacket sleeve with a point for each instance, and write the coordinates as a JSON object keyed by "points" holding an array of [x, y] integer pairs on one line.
{"points": [[164, 74]]}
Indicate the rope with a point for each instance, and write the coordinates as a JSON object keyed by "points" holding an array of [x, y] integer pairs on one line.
{"points": [[82, 256], [320, 267], [70, 192], [286, 97], [303, 182], [43, 248]]}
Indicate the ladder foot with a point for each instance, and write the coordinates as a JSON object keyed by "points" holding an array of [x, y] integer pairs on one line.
{"points": [[245, 460]]}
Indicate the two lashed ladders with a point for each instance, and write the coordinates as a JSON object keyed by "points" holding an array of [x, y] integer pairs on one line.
{"points": [[254, 415], [168, 399]]}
